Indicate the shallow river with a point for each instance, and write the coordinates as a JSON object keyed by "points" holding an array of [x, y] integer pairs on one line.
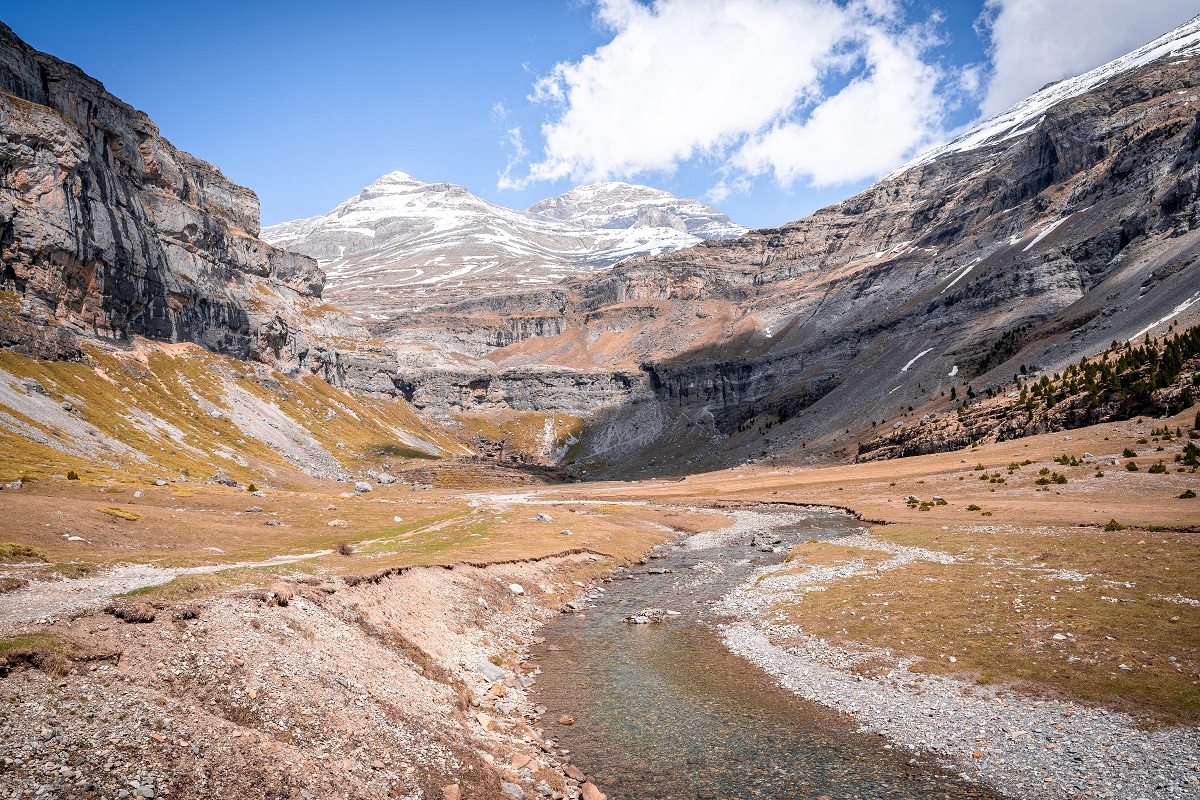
{"points": [[664, 711]]}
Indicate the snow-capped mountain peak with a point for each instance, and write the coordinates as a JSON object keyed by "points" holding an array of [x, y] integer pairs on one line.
{"points": [[400, 239], [614, 204]]}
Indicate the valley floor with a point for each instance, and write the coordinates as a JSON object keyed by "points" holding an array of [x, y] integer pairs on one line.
{"points": [[1039, 636]]}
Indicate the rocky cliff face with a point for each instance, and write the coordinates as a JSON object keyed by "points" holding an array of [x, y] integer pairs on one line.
{"points": [[1039, 237], [107, 230]]}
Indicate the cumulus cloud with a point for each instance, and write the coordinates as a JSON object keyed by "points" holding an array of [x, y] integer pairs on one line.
{"points": [[804, 90], [1035, 42]]}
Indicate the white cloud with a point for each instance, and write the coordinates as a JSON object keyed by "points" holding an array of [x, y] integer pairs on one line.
{"points": [[864, 130], [1034, 42], [744, 84]]}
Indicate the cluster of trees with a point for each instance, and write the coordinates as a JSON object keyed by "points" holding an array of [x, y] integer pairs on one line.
{"points": [[1126, 373]]}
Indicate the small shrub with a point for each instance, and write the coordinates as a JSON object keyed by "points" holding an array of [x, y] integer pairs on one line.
{"points": [[1132, 466], [252, 488], [281, 594], [13, 553], [1158, 469], [1099, 474], [131, 612], [979, 467], [1113, 525], [184, 611], [345, 548], [72, 475], [1188, 494], [974, 507], [1128, 453], [120, 513], [11, 584]]}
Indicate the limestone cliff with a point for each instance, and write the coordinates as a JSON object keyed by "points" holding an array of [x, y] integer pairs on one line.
{"points": [[109, 231]]}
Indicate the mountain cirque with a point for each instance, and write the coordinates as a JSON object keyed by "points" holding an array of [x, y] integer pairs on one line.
{"points": [[1066, 224], [1034, 239]]}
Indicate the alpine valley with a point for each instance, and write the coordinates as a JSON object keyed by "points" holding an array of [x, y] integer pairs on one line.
{"points": [[316, 509]]}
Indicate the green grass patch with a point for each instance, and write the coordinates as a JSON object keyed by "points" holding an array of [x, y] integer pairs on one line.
{"points": [[393, 450], [13, 553]]}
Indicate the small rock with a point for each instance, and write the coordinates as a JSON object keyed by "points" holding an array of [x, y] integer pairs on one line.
{"points": [[490, 671], [589, 791], [362, 487], [575, 773], [338, 523], [254, 510], [485, 722], [160, 482], [516, 588], [544, 518], [566, 532], [566, 719], [513, 789], [519, 760], [451, 792]]}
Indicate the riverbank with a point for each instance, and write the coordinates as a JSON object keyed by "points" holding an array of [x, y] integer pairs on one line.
{"points": [[1019, 744], [359, 675]]}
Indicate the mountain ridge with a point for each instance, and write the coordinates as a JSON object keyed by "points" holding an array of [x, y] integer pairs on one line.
{"points": [[402, 243]]}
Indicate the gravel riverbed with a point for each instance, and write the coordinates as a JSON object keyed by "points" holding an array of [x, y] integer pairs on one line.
{"points": [[1022, 747]]}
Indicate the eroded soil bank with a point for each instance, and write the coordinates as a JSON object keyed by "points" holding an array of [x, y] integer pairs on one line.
{"points": [[322, 688]]}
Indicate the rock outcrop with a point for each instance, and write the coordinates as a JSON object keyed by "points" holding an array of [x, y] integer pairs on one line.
{"points": [[108, 231]]}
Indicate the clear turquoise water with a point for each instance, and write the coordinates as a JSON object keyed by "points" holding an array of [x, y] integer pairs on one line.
{"points": [[664, 711]]}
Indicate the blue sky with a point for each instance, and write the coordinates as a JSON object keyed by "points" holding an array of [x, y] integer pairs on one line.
{"points": [[769, 108]]}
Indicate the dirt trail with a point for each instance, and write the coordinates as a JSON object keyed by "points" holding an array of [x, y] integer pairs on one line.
{"points": [[45, 600]]}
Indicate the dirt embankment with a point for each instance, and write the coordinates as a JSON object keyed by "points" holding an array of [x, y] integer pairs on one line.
{"points": [[400, 687]]}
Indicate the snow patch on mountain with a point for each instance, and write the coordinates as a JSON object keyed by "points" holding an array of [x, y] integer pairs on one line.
{"points": [[1183, 42], [401, 239]]}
